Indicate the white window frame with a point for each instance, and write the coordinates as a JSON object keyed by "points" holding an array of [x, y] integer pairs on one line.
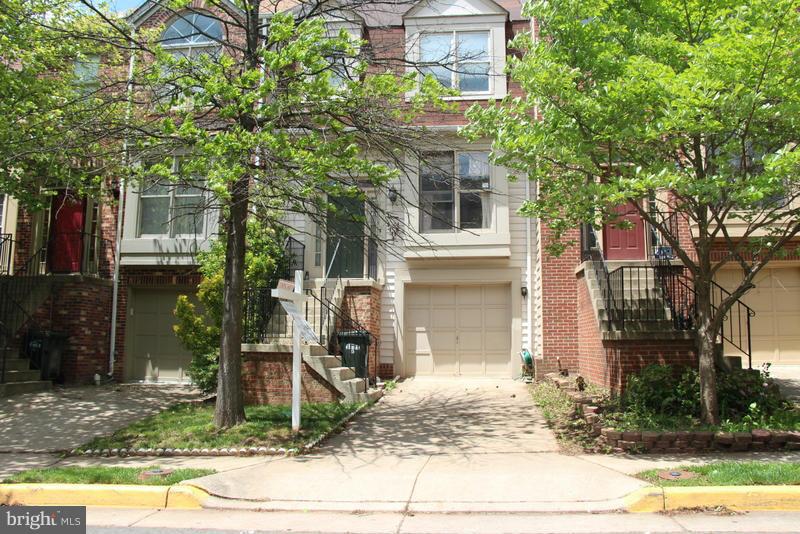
{"points": [[171, 215], [494, 24], [456, 227], [454, 65], [207, 43]]}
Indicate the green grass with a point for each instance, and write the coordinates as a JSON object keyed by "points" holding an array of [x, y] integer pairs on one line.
{"points": [[732, 474], [103, 475], [190, 426]]}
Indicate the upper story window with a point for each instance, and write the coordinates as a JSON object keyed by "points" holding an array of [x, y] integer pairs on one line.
{"points": [[454, 191], [87, 73], [172, 210], [192, 34], [457, 59]]}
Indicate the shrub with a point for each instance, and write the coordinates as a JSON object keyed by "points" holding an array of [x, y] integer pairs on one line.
{"points": [[199, 327], [667, 396]]}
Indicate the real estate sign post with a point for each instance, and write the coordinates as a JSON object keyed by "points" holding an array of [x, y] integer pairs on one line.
{"points": [[291, 302]]}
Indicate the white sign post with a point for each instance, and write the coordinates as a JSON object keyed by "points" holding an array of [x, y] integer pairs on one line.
{"points": [[292, 303]]}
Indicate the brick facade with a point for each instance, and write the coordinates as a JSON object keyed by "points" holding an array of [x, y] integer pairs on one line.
{"points": [[559, 325], [132, 277], [363, 304], [267, 379]]}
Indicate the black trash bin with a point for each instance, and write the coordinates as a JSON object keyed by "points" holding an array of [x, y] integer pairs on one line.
{"points": [[44, 350], [354, 345]]}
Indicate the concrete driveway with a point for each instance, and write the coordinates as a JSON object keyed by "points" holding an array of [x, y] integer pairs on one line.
{"points": [[432, 446], [65, 418]]}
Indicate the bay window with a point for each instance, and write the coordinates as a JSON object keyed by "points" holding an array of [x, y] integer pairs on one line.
{"points": [[454, 189]]}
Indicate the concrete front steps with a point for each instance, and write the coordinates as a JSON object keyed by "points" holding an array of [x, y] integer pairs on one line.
{"points": [[342, 378], [646, 313], [20, 378]]}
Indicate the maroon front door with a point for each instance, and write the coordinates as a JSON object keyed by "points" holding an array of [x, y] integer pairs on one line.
{"points": [[620, 244], [65, 248]]}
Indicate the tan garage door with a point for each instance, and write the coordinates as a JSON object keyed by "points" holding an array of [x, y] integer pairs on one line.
{"points": [[776, 325], [458, 330], [155, 354]]}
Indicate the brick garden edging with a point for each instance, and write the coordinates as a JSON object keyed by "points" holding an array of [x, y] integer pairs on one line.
{"points": [[224, 451], [588, 407]]}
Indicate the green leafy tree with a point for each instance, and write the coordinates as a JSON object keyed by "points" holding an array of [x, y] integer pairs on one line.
{"points": [[281, 115], [199, 327], [692, 105], [61, 116]]}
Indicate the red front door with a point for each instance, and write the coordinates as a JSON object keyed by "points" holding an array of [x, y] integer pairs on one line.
{"points": [[65, 248], [620, 244]]}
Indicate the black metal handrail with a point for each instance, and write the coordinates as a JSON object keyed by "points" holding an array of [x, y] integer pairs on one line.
{"points": [[265, 321], [6, 250], [591, 252]]}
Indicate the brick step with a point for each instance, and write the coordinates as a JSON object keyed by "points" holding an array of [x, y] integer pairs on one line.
{"points": [[17, 388], [25, 375], [17, 364]]}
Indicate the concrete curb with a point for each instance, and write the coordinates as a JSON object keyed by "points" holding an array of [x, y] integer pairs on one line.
{"points": [[737, 498], [176, 497]]}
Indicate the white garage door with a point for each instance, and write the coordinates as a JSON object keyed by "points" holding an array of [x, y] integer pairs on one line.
{"points": [[155, 354], [458, 330], [776, 326]]}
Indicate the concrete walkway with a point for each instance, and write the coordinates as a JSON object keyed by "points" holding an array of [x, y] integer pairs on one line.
{"points": [[432, 446], [65, 418]]}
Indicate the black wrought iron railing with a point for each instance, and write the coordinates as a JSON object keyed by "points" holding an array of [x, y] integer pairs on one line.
{"points": [[21, 288], [265, 321], [6, 251], [591, 252], [662, 292]]}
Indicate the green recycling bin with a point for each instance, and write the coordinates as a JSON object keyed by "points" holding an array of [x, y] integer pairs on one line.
{"points": [[354, 345]]}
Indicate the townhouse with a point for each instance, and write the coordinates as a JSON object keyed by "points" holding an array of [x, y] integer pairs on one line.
{"points": [[460, 292]]}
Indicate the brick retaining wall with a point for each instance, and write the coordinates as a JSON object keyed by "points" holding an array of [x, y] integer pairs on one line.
{"points": [[267, 379]]}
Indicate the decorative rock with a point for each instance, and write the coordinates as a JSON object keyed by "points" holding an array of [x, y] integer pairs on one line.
{"points": [[780, 437], [262, 450], [724, 438], [761, 435], [610, 434], [273, 450], [195, 452], [631, 436], [281, 451], [669, 436], [651, 436], [793, 446], [204, 452], [794, 436], [742, 437]]}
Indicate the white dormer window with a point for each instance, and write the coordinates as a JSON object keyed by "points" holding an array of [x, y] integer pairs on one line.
{"points": [[461, 43], [458, 60]]}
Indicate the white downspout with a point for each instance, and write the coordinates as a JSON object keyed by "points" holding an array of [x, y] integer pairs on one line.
{"points": [[112, 350], [529, 272]]}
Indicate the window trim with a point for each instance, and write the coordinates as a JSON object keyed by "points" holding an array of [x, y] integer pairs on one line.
{"points": [[495, 24], [210, 43], [171, 216], [456, 227], [453, 66]]}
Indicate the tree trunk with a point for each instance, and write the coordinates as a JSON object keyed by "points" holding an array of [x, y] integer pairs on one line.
{"points": [[229, 410], [706, 340]]}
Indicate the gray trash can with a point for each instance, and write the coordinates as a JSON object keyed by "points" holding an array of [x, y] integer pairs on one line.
{"points": [[354, 345]]}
